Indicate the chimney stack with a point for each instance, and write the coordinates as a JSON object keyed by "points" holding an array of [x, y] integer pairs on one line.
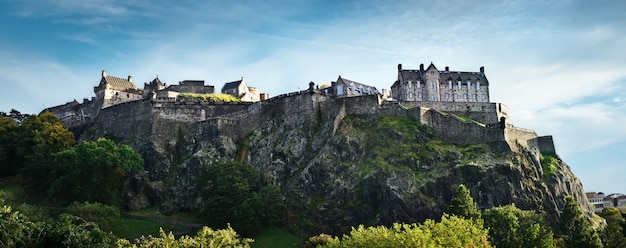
{"points": [[482, 69], [399, 67], [447, 69], [130, 78], [421, 67], [104, 73]]}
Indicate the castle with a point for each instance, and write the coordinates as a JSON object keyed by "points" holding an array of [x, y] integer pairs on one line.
{"points": [[455, 104]]}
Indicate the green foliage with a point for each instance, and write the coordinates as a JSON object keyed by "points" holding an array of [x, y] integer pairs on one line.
{"points": [[39, 138], [17, 231], [510, 226], [206, 237], [463, 205], [232, 195], [92, 171], [452, 231], [270, 236], [613, 234], [9, 163], [108, 218], [549, 164], [575, 228], [217, 97], [73, 231]]}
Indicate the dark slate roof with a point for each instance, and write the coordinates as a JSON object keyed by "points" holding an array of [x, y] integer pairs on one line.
{"points": [[445, 75], [231, 85], [119, 83], [356, 84]]}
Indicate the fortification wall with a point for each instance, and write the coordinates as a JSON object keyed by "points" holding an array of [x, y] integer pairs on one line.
{"points": [[484, 112], [455, 130], [194, 111], [517, 137], [129, 119], [544, 144]]}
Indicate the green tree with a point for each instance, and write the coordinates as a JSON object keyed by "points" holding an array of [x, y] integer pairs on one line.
{"points": [[107, 217], [206, 237], [233, 195], [613, 234], [463, 204], [92, 171], [510, 226], [451, 231], [40, 137], [575, 228], [9, 163]]}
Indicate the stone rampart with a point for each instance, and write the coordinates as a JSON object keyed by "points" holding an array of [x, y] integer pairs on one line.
{"points": [[544, 144], [518, 137], [456, 130], [484, 112], [129, 119]]}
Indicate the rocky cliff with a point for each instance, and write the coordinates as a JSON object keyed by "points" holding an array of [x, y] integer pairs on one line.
{"points": [[338, 168]]}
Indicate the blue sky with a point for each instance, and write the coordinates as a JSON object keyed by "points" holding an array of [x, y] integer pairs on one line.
{"points": [[559, 65]]}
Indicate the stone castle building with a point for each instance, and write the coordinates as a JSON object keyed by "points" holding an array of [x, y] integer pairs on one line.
{"points": [[455, 104], [433, 85]]}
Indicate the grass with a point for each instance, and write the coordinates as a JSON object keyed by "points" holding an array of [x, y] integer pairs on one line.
{"points": [[134, 228], [154, 213], [218, 97], [549, 164], [276, 237]]}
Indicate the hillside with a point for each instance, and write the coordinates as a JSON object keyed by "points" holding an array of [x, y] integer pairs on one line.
{"points": [[338, 162]]}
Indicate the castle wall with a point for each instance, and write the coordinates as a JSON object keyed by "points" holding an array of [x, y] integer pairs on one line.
{"points": [[516, 137], [486, 113], [129, 119], [114, 97], [545, 144], [455, 130]]}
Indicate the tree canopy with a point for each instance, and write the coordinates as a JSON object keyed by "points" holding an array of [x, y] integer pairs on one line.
{"points": [[575, 228], [92, 171], [512, 227], [463, 204]]}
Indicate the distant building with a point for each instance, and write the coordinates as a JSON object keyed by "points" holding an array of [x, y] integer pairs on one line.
{"points": [[114, 90], [346, 87], [240, 90], [433, 85], [599, 201]]}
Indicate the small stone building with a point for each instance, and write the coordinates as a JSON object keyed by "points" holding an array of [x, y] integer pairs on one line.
{"points": [[240, 90], [346, 87], [114, 90], [433, 85]]}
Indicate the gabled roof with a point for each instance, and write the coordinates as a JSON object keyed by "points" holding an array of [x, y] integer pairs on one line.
{"points": [[356, 84], [232, 85], [431, 66], [119, 83]]}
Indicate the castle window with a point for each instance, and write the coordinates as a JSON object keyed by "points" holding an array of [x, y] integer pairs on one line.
{"points": [[456, 96], [484, 97], [410, 94], [410, 84], [478, 85], [419, 84], [432, 72], [449, 84], [447, 95], [474, 96], [419, 94], [469, 85], [127, 95], [458, 84], [339, 90], [464, 96]]}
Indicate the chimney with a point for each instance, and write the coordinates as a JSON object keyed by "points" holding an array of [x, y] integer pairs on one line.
{"points": [[482, 69], [130, 78], [421, 67], [447, 69], [104, 73], [399, 67]]}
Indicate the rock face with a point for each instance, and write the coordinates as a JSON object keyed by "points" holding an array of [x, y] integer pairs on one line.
{"points": [[336, 168]]}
